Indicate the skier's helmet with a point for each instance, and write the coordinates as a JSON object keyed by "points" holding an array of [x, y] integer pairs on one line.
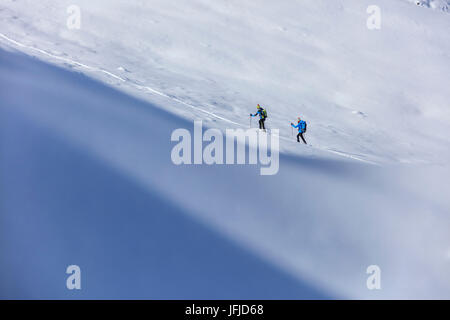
{"points": [[258, 106]]}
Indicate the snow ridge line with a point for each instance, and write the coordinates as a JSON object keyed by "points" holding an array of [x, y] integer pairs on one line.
{"points": [[154, 91], [94, 69]]}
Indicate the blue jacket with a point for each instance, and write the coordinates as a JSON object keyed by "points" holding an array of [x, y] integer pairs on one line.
{"points": [[260, 112], [301, 126]]}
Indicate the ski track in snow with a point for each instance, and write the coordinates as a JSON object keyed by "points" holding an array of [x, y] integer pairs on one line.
{"points": [[157, 92]]}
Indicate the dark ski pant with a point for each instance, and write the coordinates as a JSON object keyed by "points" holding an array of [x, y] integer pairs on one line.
{"points": [[261, 124], [300, 135]]}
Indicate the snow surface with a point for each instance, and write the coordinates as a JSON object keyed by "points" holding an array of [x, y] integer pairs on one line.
{"points": [[85, 158], [443, 5]]}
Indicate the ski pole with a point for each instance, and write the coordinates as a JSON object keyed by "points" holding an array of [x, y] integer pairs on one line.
{"points": [[250, 121]]}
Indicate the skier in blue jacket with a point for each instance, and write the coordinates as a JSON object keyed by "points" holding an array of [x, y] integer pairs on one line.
{"points": [[262, 116], [301, 125]]}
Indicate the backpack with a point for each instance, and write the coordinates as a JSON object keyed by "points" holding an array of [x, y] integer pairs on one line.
{"points": [[303, 126], [264, 113]]}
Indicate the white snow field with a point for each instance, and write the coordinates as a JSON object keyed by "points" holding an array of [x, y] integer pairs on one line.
{"points": [[443, 5], [86, 177]]}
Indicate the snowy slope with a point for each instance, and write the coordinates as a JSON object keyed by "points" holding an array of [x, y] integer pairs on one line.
{"points": [[86, 179], [378, 95], [443, 5], [79, 187], [93, 162]]}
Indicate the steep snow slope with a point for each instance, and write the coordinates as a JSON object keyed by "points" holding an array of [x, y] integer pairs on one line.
{"points": [[380, 95], [91, 169], [69, 195], [443, 5], [87, 180]]}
